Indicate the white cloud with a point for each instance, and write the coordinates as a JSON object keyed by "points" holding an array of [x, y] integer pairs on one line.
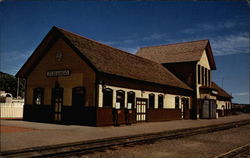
{"points": [[241, 94], [234, 43], [231, 44], [154, 36], [135, 39], [108, 42], [11, 62], [132, 50], [208, 27]]}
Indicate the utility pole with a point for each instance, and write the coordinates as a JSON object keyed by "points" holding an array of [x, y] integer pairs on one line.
{"points": [[17, 87], [222, 82]]}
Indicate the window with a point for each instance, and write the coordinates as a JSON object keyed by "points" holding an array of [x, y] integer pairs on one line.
{"points": [[78, 96], [160, 101], [38, 94], [151, 100], [131, 99], [120, 95], [203, 75], [185, 103], [177, 102], [199, 74], [107, 97], [209, 78]]}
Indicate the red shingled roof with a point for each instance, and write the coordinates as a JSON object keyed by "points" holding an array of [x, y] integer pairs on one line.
{"points": [[113, 61], [179, 52]]}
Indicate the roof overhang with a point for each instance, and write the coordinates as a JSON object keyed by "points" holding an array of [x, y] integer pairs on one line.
{"points": [[210, 56]]}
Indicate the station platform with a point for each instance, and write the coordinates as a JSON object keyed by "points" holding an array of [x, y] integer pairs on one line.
{"points": [[17, 134]]}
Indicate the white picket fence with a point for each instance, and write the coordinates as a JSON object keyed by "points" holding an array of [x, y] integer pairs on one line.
{"points": [[12, 110]]}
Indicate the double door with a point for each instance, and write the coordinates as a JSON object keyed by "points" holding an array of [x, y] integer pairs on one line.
{"points": [[141, 106], [57, 103]]}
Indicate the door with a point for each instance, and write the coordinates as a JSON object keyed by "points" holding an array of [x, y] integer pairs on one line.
{"points": [[205, 109], [212, 109], [141, 106], [185, 108], [57, 103]]}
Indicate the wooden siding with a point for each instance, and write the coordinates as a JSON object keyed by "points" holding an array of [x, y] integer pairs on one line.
{"points": [[81, 75], [163, 114]]}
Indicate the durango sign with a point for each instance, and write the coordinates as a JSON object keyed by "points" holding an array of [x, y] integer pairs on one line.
{"points": [[55, 73]]}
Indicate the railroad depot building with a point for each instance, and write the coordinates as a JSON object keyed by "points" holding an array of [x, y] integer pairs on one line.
{"points": [[72, 79], [193, 63]]}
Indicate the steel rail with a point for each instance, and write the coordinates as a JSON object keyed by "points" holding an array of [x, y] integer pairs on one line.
{"points": [[83, 147], [242, 151]]}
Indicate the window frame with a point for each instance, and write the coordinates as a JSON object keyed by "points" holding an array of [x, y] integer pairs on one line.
{"points": [[106, 91], [203, 75], [209, 78], [151, 100], [74, 96], [199, 74], [177, 103], [160, 97], [35, 95], [122, 94], [206, 74], [129, 98]]}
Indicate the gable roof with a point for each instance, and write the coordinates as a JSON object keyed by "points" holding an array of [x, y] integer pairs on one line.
{"points": [[179, 52], [106, 59], [221, 92]]}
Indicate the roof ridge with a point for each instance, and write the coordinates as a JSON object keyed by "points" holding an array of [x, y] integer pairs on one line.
{"points": [[93, 40], [130, 54], [175, 43], [134, 55]]}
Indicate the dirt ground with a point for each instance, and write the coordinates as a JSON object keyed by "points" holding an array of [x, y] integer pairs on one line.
{"points": [[200, 146], [9, 129]]}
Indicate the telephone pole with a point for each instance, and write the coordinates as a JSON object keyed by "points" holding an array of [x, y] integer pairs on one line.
{"points": [[17, 87]]}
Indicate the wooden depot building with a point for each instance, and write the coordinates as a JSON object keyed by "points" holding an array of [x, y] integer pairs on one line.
{"points": [[75, 80], [72, 79], [193, 63]]}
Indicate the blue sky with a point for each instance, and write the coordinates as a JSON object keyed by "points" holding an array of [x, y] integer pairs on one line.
{"points": [[131, 25]]}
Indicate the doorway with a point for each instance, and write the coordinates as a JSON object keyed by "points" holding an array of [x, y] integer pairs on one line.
{"points": [[57, 103], [141, 106], [185, 108]]}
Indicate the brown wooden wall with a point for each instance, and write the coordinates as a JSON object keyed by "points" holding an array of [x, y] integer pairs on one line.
{"points": [[81, 75], [105, 117], [163, 114], [70, 114], [186, 71], [222, 113], [187, 114]]}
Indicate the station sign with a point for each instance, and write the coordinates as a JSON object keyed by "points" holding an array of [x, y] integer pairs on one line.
{"points": [[214, 92], [55, 73]]}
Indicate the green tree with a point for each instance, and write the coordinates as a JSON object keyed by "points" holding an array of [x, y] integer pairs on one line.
{"points": [[8, 83]]}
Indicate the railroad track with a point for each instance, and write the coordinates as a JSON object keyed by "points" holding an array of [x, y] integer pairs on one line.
{"points": [[81, 148], [240, 152]]}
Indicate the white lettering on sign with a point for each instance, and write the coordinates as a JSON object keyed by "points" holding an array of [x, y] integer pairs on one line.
{"points": [[55, 73], [214, 92]]}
